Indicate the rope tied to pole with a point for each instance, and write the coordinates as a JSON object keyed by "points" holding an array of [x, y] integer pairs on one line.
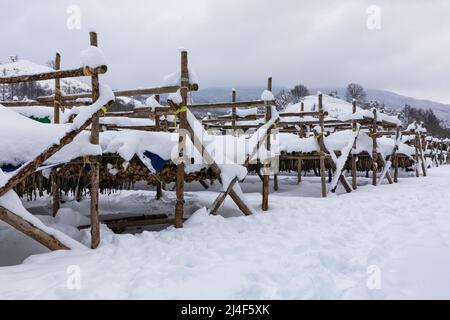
{"points": [[319, 135], [177, 112]]}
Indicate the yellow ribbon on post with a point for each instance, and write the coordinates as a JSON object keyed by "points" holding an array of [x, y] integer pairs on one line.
{"points": [[177, 112]]}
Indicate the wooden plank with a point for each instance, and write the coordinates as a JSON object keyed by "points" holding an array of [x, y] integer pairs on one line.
{"points": [[56, 113], [354, 156], [126, 93], [302, 114], [233, 110], [183, 127], [31, 166], [374, 148], [266, 177], [225, 105], [32, 231], [59, 74], [221, 198], [319, 138], [95, 167]]}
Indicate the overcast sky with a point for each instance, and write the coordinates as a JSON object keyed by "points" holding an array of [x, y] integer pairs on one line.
{"points": [[239, 42]]}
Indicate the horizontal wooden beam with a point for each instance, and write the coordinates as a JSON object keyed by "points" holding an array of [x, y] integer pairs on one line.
{"points": [[225, 105], [139, 128], [14, 104], [57, 74], [125, 93], [136, 221], [302, 114]]}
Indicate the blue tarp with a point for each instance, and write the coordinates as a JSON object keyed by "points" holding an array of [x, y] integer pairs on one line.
{"points": [[157, 162], [9, 168]]}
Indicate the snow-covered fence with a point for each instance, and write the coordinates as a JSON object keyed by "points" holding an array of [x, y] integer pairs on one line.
{"points": [[10, 208]]}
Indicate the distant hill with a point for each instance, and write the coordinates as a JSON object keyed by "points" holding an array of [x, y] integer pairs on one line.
{"points": [[223, 94], [22, 67], [390, 99], [397, 101]]}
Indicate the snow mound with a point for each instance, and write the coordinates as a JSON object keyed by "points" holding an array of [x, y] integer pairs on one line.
{"points": [[93, 57]]}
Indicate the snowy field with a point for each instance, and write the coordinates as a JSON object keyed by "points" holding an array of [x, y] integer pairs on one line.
{"points": [[304, 247]]}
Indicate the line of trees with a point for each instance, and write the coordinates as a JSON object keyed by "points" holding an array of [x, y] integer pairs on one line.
{"points": [[429, 119], [355, 91]]}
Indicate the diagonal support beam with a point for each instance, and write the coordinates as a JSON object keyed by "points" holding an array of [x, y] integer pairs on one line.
{"points": [[221, 198], [31, 230], [210, 160], [31, 166]]}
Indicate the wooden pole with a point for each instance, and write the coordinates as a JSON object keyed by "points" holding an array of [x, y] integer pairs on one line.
{"points": [[322, 152], [354, 177], [31, 230], [95, 167], [233, 111], [422, 158], [57, 98], [159, 192], [397, 136], [80, 72], [31, 166], [302, 109], [374, 148], [183, 127], [56, 110], [266, 177]]}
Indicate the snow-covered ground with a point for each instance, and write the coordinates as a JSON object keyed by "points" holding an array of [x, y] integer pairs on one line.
{"points": [[396, 238]]}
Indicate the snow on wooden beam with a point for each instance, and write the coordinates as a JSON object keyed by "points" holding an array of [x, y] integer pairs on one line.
{"points": [[125, 93], [58, 74], [31, 166], [31, 230], [225, 105]]}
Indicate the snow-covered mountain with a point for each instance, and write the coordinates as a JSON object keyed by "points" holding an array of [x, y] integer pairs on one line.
{"points": [[397, 101], [390, 99], [22, 67]]}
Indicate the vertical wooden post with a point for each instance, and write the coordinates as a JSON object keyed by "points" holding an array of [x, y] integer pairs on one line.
{"points": [[374, 148], [275, 176], [397, 136], [233, 111], [302, 108], [266, 177], [56, 109], [57, 97], [354, 178], [321, 151], [416, 157], [157, 127], [422, 147], [95, 167], [183, 127]]}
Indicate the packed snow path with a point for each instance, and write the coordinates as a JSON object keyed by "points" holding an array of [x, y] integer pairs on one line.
{"points": [[302, 248]]}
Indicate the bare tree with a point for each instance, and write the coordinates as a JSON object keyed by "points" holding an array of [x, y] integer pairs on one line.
{"points": [[14, 58], [51, 64], [299, 92], [356, 91]]}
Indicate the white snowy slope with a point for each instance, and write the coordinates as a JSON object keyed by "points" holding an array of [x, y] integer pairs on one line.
{"points": [[337, 109], [22, 67], [301, 248]]}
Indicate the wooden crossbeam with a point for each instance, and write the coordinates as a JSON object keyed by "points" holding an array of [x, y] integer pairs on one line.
{"points": [[31, 230], [225, 105], [31, 166], [57, 74], [124, 93]]}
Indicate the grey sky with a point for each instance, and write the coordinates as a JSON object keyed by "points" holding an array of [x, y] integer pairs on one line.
{"points": [[237, 42]]}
